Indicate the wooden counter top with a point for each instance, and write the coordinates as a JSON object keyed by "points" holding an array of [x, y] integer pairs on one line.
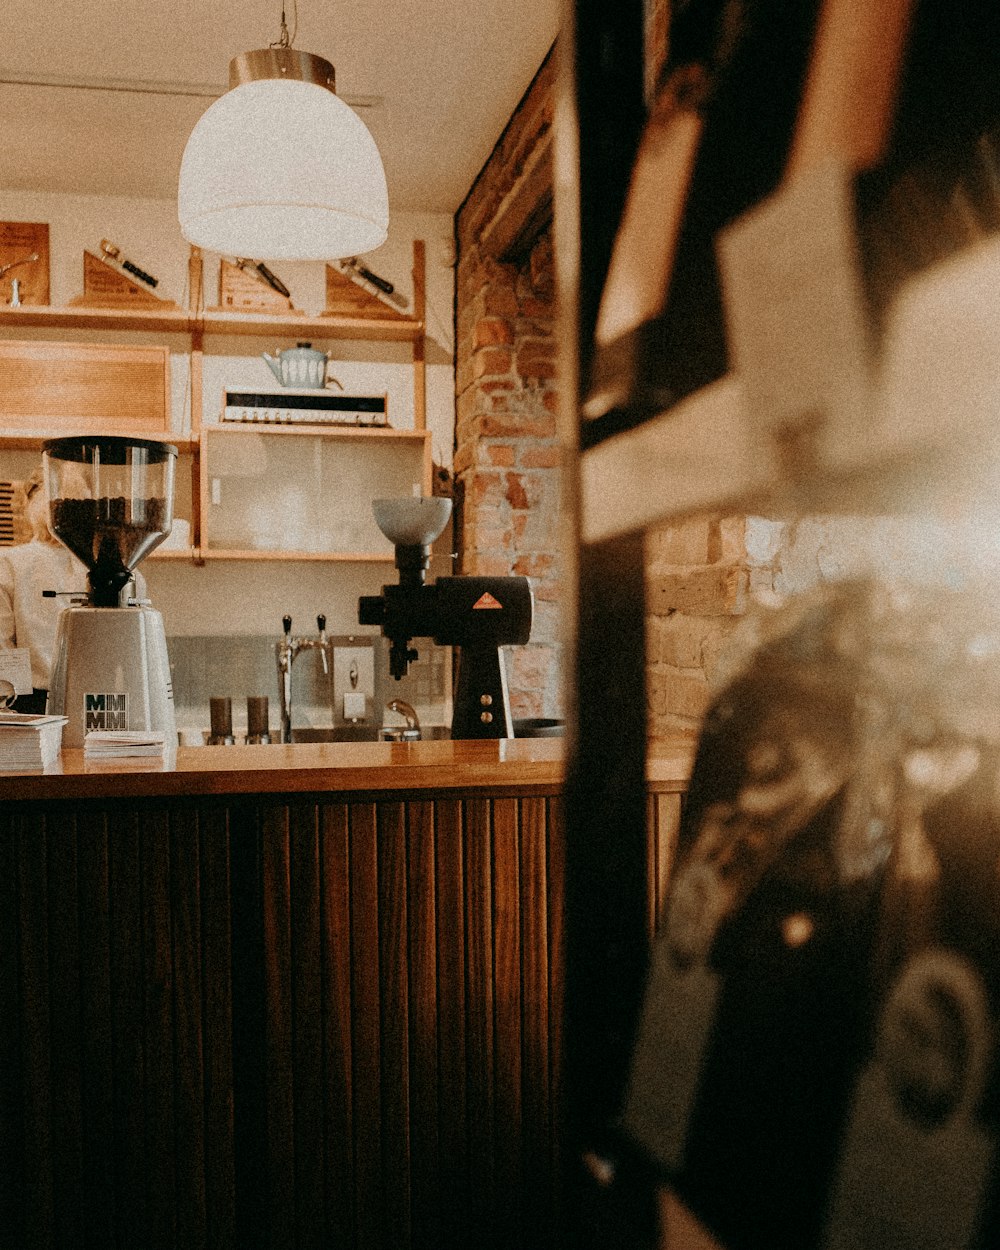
{"points": [[494, 767]]}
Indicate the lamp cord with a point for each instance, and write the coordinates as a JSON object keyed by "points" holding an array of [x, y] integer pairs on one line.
{"points": [[284, 39]]}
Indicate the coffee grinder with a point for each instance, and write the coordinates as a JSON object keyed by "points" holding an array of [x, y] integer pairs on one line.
{"points": [[111, 503], [479, 615]]}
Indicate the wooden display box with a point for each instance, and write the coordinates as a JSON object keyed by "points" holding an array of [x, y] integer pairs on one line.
{"points": [[84, 387], [240, 291], [105, 286], [18, 241], [346, 298]]}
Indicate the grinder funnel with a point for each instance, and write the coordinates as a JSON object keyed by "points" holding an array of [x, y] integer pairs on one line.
{"points": [[111, 503], [411, 524]]}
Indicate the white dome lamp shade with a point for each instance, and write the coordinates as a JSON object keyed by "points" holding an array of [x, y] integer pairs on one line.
{"points": [[281, 168]]}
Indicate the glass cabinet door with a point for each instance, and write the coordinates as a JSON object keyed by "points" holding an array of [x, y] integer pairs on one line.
{"points": [[293, 491]]}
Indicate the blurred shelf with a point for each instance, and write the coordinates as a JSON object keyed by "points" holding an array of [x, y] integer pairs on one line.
{"points": [[329, 557], [333, 431], [374, 329], [175, 553], [213, 321], [24, 441], [171, 320]]}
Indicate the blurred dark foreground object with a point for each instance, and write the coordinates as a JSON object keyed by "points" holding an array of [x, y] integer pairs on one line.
{"points": [[815, 1066]]}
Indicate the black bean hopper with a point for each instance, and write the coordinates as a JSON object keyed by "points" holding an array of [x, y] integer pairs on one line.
{"points": [[111, 504], [479, 615]]}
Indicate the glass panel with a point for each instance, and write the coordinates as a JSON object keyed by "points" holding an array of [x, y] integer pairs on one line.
{"points": [[278, 492]]}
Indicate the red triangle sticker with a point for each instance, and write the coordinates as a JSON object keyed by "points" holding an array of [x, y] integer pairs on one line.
{"points": [[486, 600]]}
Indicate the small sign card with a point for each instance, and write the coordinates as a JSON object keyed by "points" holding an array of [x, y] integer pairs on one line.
{"points": [[106, 286], [347, 298], [15, 667], [241, 290], [19, 241]]}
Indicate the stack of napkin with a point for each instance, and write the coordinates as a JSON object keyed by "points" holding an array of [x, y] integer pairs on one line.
{"points": [[29, 742], [117, 743]]}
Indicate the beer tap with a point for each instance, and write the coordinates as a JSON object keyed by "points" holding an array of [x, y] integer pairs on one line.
{"points": [[286, 649]]}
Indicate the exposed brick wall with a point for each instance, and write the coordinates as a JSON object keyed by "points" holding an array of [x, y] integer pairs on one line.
{"points": [[507, 454], [697, 589], [706, 577]]}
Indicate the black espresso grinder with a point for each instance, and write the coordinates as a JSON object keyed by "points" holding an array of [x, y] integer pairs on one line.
{"points": [[479, 615]]}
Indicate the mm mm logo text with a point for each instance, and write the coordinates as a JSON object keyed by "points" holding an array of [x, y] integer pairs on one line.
{"points": [[105, 711]]}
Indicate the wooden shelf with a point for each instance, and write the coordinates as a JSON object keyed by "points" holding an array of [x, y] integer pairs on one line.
{"points": [[327, 557], [314, 431], [33, 442], [372, 329], [212, 321], [171, 320], [174, 553]]}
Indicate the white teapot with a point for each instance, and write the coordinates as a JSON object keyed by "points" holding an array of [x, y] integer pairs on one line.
{"points": [[301, 365]]}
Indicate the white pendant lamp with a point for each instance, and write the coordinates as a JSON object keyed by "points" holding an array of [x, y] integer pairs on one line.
{"points": [[280, 167]]}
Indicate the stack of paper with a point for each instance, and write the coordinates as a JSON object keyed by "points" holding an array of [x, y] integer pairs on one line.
{"points": [[29, 742], [116, 744]]}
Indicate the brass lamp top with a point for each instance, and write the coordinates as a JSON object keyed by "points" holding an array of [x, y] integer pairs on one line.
{"points": [[281, 62]]}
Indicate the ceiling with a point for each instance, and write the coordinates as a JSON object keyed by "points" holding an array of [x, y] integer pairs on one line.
{"points": [[103, 103]]}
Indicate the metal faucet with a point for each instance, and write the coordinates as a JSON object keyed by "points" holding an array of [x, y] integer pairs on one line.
{"points": [[286, 649], [402, 708]]}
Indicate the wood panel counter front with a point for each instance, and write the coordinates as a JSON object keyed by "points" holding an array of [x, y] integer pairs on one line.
{"points": [[287, 996]]}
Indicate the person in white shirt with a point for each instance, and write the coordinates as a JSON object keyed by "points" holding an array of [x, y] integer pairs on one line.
{"points": [[27, 619]]}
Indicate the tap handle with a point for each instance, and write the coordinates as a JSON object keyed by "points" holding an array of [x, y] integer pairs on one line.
{"points": [[286, 622], [321, 623]]}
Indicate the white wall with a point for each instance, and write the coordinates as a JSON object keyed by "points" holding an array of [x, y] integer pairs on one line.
{"points": [[250, 598]]}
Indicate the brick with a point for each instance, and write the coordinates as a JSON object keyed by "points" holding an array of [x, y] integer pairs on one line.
{"points": [[516, 492], [468, 404], [501, 455], [483, 564], [492, 361], [516, 425], [731, 539], [464, 374], [548, 591], [678, 692], [676, 639], [545, 457], [530, 666], [491, 331], [538, 529], [694, 642], [680, 542], [763, 540], [540, 309], [707, 590], [666, 728], [536, 360], [534, 325], [500, 301], [538, 565], [486, 519], [762, 588], [547, 625], [484, 488], [491, 535], [463, 457]]}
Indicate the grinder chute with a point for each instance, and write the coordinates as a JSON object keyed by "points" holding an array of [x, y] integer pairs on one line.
{"points": [[479, 615]]}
